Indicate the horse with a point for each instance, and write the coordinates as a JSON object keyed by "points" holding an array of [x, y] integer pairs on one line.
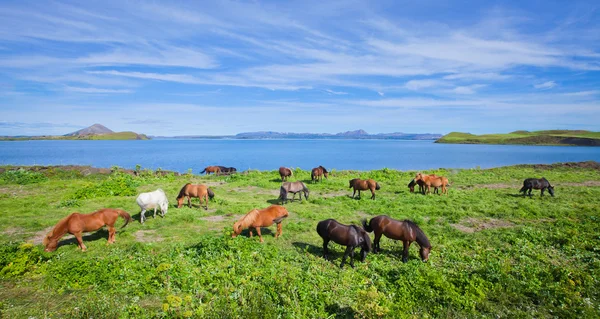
{"points": [[285, 173], [351, 236], [317, 173], [227, 170], [433, 180], [77, 224], [261, 218], [292, 187], [411, 186], [189, 190], [534, 183], [406, 231], [155, 199], [363, 185], [211, 169]]}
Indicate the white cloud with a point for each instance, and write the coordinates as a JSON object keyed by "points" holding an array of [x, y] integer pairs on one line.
{"points": [[545, 86], [95, 90], [335, 92]]}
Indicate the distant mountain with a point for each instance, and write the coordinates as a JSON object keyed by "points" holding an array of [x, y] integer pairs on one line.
{"points": [[94, 129], [358, 134]]}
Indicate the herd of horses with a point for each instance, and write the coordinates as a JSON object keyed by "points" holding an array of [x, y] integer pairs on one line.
{"points": [[351, 236]]}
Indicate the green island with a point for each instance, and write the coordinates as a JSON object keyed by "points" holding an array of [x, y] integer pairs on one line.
{"points": [[550, 137], [495, 253], [106, 136]]}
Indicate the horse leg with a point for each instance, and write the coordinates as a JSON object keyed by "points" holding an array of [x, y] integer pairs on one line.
{"points": [[111, 234], [405, 252], [542, 193], [354, 193], [530, 189], [189, 201], [279, 230], [372, 194], [346, 253], [293, 197], [142, 216], [154, 216], [325, 251], [352, 257], [359, 193], [80, 241], [376, 247], [206, 201], [259, 235]]}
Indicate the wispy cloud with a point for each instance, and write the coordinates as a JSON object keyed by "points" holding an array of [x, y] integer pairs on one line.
{"points": [[545, 86], [95, 90]]}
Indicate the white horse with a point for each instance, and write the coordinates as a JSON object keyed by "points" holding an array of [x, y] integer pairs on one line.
{"points": [[155, 199]]}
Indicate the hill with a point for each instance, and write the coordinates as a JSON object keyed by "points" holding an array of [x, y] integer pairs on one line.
{"points": [[357, 134], [550, 137], [94, 132], [94, 129]]}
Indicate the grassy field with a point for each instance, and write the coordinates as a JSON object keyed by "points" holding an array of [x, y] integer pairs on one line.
{"points": [[552, 137], [495, 253]]}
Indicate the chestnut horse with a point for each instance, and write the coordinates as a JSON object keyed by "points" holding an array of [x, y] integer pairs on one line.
{"points": [[77, 224], [285, 173], [351, 236], [363, 185], [261, 218], [317, 173], [406, 231], [433, 180], [212, 169], [411, 186], [190, 190]]}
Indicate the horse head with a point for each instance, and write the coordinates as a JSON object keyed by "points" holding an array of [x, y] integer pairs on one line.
{"points": [[49, 243], [179, 201], [306, 191], [425, 253], [419, 177], [352, 182], [551, 190], [164, 206]]}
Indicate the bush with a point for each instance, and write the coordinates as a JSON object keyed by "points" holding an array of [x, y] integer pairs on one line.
{"points": [[21, 177], [118, 184]]}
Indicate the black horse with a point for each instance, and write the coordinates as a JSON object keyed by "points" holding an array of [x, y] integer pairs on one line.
{"points": [[227, 170], [534, 183], [351, 236]]}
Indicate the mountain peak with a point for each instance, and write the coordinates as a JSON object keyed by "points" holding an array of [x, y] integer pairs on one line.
{"points": [[353, 133], [94, 129]]}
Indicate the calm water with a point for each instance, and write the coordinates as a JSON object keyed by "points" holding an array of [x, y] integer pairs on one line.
{"points": [[180, 155]]}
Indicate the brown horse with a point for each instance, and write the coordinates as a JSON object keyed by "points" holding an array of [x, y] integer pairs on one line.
{"points": [[212, 169], [363, 185], [77, 224], [406, 231], [261, 218], [411, 186], [317, 173], [285, 173], [351, 236], [189, 190], [433, 180]]}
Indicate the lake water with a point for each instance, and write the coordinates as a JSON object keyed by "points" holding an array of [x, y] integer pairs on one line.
{"points": [[181, 155]]}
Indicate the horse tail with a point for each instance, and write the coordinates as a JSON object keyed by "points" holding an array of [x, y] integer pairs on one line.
{"points": [[182, 191], [125, 216], [523, 189], [377, 187], [203, 171], [282, 192], [367, 226], [211, 194]]}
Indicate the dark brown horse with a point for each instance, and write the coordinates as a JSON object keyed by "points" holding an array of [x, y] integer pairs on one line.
{"points": [[227, 170], [77, 224], [258, 218], [189, 190], [406, 231], [285, 173], [351, 236], [534, 183], [317, 173], [363, 185], [211, 169]]}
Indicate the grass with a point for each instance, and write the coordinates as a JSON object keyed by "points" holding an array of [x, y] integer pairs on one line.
{"points": [[495, 253], [551, 137]]}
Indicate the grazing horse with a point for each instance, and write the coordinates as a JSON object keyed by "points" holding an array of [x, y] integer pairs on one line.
{"points": [[351, 236], [285, 173], [534, 183], [227, 170], [211, 169], [363, 185], [433, 180], [406, 231], [411, 186], [155, 199], [317, 173], [261, 218], [292, 187], [77, 224], [189, 190]]}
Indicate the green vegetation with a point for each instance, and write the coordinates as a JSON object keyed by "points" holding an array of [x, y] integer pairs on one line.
{"points": [[495, 253], [106, 136], [552, 137]]}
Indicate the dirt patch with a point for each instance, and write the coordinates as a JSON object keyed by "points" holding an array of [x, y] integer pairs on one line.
{"points": [[471, 225], [588, 165], [256, 190], [586, 183], [147, 236], [38, 237], [214, 183], [10, 231], [334, 194], [215, 219]]}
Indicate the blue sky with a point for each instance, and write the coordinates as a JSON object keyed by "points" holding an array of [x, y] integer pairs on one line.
{"points": [[211, 68]]}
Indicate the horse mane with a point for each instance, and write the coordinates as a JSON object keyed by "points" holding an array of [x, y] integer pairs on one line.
{"points": [[422, 239], [324, 170], [246, 221], [182, 191], [59, 228]]}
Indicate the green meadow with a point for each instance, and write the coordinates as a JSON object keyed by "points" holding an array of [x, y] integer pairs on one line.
{"points": [[495, 253], [548, 137]]}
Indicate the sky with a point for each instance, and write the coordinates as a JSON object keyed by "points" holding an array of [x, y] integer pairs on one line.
{"points": [[216, 68]]}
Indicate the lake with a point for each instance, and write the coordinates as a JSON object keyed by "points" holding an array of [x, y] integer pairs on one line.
{"points": [[183, 154]]}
